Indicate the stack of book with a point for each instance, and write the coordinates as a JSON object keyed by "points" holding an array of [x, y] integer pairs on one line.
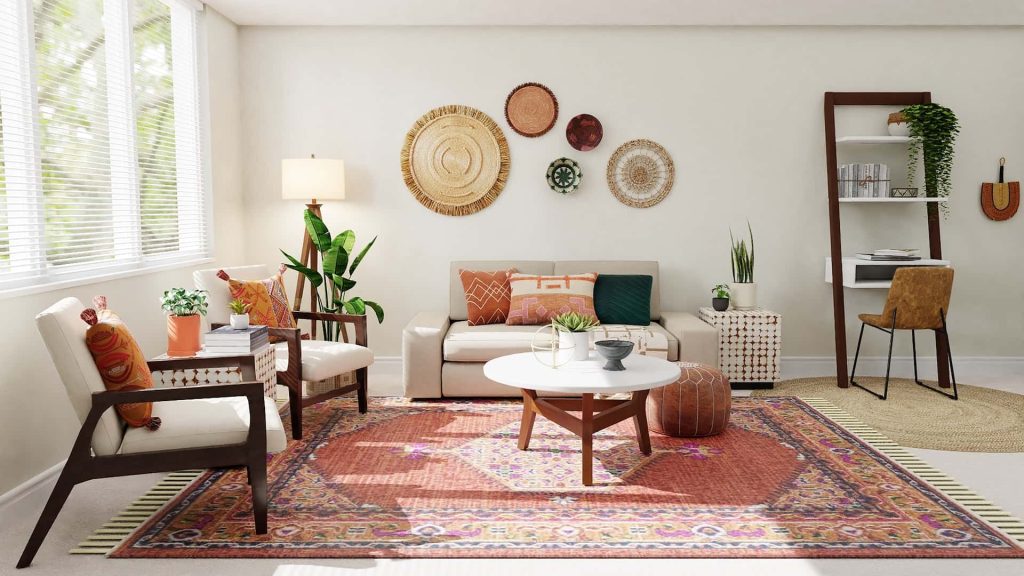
{"points": [[892, 255], [227, 340]]}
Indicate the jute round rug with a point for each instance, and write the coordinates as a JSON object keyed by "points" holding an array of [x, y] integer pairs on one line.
{"points": [[982, 420]]}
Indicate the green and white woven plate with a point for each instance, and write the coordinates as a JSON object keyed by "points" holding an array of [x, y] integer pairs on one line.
{"points": [[564, 175]]}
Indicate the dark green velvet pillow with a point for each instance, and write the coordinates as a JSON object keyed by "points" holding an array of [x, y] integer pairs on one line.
{"points": [[623, 299]]}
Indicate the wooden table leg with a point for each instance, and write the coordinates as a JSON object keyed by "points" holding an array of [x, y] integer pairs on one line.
{"points": [[529, 415], [643, 437], [587, 434]]}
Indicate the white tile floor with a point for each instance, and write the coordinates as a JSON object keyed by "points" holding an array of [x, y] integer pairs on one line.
{"points": [[995, 476]]}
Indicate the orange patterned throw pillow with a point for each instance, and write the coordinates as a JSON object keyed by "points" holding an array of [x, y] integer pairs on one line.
{"points": [[120, 361], [488, 295], [267, 300], [537, 299]]}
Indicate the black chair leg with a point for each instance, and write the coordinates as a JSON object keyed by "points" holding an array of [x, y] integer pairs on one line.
{"points": [[361, 392], [53, 506], [945, 334], [295, 409], [913, 347], [888, 361], [888, 365], [856, 355]]}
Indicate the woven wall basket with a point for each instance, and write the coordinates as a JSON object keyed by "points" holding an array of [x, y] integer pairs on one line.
{"points": [[641, 173], [531, 109], [455, 160]]}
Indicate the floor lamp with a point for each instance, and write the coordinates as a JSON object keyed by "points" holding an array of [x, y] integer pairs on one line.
{"points": [[318, 179]]}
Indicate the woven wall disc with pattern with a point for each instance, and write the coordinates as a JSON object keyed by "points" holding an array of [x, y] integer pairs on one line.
{"points": [[455, 160], [640, 173], [564, 175], [531, 109]]}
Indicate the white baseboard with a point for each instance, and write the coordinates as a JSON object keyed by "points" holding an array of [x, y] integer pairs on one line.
{"points": [[976, 368], [30, 485]]}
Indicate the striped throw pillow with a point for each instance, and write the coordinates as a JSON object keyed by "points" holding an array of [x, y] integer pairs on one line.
{"points": [[537, 299]]}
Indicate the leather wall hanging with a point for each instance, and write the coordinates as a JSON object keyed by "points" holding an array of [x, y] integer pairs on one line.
{"points": [[1000, 200]]}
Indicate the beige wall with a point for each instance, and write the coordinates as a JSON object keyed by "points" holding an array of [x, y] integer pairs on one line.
{"points": [[36, 420], [739, 109]]}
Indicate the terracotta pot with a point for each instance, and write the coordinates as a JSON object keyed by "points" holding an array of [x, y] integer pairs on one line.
{"points": [[183, 335]]}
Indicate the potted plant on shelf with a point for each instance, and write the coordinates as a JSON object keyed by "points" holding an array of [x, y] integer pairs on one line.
{"points": [[720, 300], [577, 329], [239, 318], [335, 280], [933, 128], [184, 308], [743, 290]]}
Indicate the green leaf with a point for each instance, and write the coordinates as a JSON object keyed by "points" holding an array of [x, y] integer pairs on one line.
{"points": [[335, 261], [362, 254], [346, 240], [318, 231], [343, 284], [376, 309], [313, 276], [355, 306]]}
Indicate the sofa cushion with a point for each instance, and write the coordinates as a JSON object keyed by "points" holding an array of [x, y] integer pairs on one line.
{"points": [[646, 267], [322, 360], [465, 343], [488, 295], [658, 342], [623, 299], [200, 423], [457, 298], [537, 299]]}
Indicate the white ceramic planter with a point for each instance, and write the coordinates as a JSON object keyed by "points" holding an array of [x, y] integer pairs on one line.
{"points": [[239, 321], [899, 129], [580, 342], [743, 295]]}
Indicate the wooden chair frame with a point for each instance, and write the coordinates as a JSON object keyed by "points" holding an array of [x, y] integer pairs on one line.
{"points": [[82, 465], [292, 377]]}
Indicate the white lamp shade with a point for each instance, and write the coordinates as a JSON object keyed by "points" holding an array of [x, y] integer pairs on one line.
{"points": [[306, 178]]}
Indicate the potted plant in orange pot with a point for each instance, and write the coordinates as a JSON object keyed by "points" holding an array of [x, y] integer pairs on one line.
{"points": [[184, 308]]}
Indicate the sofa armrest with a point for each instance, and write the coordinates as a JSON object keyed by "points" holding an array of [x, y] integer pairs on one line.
{"points": [[698, 340], [423, 354]]}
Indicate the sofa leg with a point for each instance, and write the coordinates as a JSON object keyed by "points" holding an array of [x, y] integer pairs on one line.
{"points": [[58, 497], [362, 377], [295, 409]]}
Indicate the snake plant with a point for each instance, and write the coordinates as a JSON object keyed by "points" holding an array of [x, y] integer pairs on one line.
{"points": [[742, 258]]}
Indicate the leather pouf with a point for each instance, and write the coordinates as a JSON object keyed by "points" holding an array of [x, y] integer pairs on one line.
{"points": [[695, 405]]}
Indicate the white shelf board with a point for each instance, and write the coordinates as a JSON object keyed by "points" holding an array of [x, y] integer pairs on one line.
{"points": [[892, 200], [850, 264], [874, 140]]}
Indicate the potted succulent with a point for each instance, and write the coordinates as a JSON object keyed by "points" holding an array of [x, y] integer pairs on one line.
{"points": [[184, 308], [576, 327], [239, 319], [743, 290], [720, 300]]}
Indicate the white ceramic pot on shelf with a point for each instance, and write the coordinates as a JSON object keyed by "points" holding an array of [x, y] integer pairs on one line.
{"points": [[743, 295], [899, 129], [239, 321]]}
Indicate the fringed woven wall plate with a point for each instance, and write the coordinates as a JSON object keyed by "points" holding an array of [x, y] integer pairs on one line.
{"points": [[455, 160], [531, 109], [640, 173]]}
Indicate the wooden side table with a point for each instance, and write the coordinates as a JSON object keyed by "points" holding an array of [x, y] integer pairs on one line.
{"points": [[749, 346], [263, 363]]}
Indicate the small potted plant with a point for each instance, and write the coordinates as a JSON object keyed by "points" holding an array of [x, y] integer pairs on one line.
{"points": [[577, 326], [720, 300], [743, 290], [184, 307], [239, 319]]}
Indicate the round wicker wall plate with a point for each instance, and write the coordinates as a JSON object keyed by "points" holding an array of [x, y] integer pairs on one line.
{"points": [[584, 132], [640, 173], [564, 175], [455, 160], [531, 109]]}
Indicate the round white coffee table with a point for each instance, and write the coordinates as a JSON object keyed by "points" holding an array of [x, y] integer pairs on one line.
{"points": [[585, 378]]}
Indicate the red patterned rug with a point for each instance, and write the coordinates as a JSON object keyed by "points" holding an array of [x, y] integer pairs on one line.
{"points": [[445, 479]]}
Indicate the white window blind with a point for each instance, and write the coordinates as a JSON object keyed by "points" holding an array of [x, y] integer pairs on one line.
{"points": [[102, 171]]}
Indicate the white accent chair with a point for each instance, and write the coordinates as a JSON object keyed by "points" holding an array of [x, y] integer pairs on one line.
{"points": [[203, 426], [298, 360]]}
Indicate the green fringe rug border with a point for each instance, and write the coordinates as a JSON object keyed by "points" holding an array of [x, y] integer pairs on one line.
{"points": [[109, 536]]}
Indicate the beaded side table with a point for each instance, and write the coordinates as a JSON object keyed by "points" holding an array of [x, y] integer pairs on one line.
{"points": [[749, 346]]}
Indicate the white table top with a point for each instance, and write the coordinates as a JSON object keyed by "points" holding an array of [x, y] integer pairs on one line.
{"points": [[582, 377]]}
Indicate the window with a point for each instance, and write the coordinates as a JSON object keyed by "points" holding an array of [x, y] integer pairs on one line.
{"points": [[100, 155]]}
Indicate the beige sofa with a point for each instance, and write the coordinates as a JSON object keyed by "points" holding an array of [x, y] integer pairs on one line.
{"points": [[443, 356]]}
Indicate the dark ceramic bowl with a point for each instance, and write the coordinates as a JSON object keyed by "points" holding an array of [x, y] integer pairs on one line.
{"points": [[614, 351]]}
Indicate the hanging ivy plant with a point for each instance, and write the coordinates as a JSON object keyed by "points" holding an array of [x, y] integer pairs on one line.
{"points": [[933, 128]]}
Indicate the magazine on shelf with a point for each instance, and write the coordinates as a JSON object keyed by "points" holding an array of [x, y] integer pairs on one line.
{"points": [[891, 255], [227, 334]]}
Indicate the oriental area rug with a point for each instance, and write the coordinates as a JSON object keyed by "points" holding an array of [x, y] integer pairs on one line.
{"points": [[789, 478]]}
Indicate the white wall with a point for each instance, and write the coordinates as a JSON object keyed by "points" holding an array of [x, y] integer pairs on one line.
{"points": [[36, 421], [740, 110]]}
